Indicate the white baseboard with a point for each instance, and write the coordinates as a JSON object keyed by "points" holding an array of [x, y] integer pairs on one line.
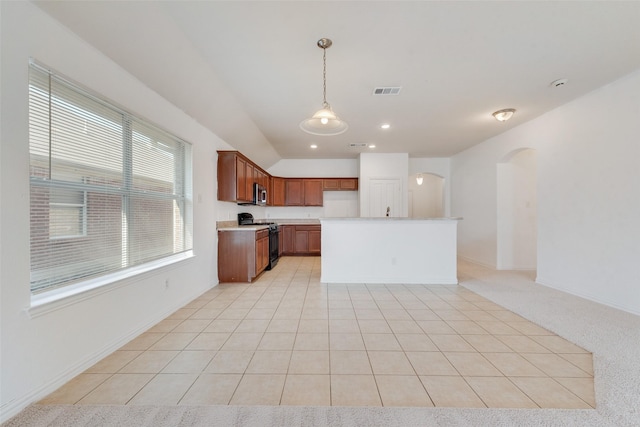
{"points": [[547, 283]]}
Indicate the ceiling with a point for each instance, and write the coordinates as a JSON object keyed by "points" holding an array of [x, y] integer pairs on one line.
{"points": [[251, 71]]}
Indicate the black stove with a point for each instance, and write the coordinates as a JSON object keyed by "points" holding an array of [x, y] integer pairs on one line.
{"points": [[245, 218]]}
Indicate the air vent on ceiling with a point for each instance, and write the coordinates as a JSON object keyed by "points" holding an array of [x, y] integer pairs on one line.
{"points": [[358, 145], [386, 90]]}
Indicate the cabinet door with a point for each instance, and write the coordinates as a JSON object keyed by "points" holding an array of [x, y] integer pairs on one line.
{"points": [[277, 192], [312, 192], [227, 176], [262, 254], [331, 184], [286, 234], [241, 179], [265, 260], [301, 241], [349, 184], [294, 192], [262, 250], [250, 172], [314, 241]]}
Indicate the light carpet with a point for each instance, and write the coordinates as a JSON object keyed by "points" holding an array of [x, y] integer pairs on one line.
{"points": [[611, 335]]}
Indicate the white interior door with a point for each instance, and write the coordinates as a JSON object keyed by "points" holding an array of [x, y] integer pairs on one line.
{"points": [[385, 195]]}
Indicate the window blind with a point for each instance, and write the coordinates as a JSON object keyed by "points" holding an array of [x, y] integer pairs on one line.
{"points": [[109, 191]]}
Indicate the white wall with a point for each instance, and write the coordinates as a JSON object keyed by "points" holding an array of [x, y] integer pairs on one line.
{"points": [[517, 211], [41, 353], [427, 199], [315, 168], [440, 166], [588, 184]]}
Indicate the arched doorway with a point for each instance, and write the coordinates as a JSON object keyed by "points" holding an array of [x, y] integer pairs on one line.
{"points": [[517, 209], [426, 200]]}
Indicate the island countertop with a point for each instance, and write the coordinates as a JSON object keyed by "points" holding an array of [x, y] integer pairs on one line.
{"points": [[389, 218]]}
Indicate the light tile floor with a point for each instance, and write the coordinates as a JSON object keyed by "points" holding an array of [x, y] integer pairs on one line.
{"points": [[288, 339]]}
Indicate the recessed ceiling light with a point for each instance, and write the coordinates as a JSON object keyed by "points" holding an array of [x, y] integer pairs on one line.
{"points": [[385, 126], [372, 146], [313, 146]]}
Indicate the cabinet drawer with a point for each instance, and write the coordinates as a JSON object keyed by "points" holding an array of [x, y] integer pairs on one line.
{"points": [[261, 234]]}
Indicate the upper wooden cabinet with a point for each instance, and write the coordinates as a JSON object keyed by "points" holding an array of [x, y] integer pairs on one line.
{"points": [[312, 192], [340, 184], [293, 192], [236, 176], [303, 191], [241, 180], [277, 197]]}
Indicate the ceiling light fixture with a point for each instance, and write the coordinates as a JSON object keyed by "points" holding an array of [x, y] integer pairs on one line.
{"points": [[324, 121], [419, 179], [504, 115], [385, 126], [313, 146]]}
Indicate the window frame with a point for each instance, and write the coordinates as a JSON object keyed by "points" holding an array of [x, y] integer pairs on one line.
{"points": [[180, 197]]}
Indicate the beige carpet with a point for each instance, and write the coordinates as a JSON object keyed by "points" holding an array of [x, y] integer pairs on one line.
{"points": [[611, 335]]}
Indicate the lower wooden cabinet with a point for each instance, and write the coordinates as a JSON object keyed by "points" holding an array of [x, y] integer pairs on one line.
{"points": [[242, 254], [262, 250], [301, 239]]}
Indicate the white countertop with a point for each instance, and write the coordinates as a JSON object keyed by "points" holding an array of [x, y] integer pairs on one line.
{"points": [[253, 227], [391, 218]]}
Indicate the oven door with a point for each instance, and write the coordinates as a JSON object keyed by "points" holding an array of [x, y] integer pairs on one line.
{"points": [[274, 240]]}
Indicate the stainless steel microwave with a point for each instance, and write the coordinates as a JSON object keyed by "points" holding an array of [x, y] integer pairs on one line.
{"points": [[259, 195]]}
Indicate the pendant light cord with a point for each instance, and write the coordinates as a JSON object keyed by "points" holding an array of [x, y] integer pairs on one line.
{"points": [[325, 104]]}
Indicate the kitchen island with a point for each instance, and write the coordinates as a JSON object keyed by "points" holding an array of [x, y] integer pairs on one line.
{"points": [[389, 250]]}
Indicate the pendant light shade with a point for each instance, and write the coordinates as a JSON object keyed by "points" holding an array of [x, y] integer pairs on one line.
{"points": [[324, 121], [419, 179]]}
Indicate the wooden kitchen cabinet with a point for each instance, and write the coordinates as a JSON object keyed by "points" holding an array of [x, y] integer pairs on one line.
{"points": [[286, 237], [315, 237], [277, 191], [303, 191], [294, 192], [262, 250], [236, 176], [340, 184], [241, 179], [307, 240], [249, 180], [242, 254], [301, 239], [312, 192]]}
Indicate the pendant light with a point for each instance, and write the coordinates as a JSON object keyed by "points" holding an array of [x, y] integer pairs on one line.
{"points": [[324, 121], [419, 179]]}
